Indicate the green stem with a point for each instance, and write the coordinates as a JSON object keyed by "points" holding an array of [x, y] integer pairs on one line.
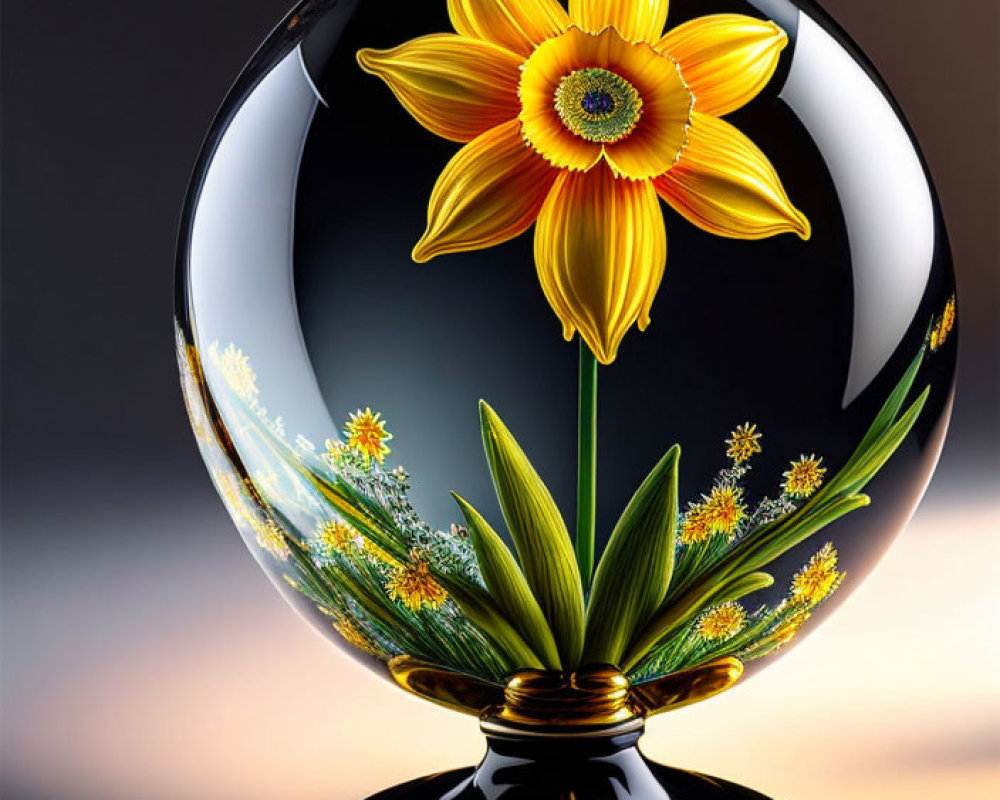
{"points": [[586, 470]]}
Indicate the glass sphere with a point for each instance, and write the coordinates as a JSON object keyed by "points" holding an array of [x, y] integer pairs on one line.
{"points": [[333, 384]]}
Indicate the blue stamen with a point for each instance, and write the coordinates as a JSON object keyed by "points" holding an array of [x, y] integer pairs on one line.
{"points": [[597, 102]]}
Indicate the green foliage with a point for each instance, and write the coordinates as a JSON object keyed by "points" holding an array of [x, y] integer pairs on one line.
{"points": [[507, 586], [465, 639], [641, 609], [738, 568], [481, 608], [540, 537], [673, 616], [648, 595], [634, 573]]}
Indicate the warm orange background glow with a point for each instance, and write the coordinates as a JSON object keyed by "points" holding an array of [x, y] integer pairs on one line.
{"points": [[215, 690]]}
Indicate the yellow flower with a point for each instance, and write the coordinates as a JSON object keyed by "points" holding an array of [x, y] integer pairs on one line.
{"points": [[787, 631], [818, 579], [271, 538], [353, 636], [935, 337], [236, 371], [804, 477], [948, 318], [366, 433], [743, 443], [338, 536], [578, 121], [720, 512], [234, 496], [723, 509], [722, 622], [944, 325], [414, 586], [695, 527]]}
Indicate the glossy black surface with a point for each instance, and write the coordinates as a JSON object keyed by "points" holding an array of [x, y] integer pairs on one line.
{"points": [[313, 187], [605, 769]]}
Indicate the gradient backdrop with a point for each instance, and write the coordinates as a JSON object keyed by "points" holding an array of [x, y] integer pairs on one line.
{"points": [[143, 653]]}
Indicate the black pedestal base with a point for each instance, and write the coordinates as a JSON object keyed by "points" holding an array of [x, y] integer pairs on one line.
{"points": [[518, 766], [676, 784]]}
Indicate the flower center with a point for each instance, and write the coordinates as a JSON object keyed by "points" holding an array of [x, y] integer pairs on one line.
{"points": [[598, 105]]}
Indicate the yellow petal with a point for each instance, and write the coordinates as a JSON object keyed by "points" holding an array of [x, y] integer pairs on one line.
{"points": [[489, 192], [725, 185], [726, 59], [600, 251], [518, 25], [454, 86], [636, 20]]}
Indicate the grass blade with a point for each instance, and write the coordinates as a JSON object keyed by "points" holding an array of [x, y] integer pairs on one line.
{"points": [[507, 586], [634, 573], [540, 536]]}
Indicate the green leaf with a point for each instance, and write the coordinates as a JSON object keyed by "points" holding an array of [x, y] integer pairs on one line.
{"points": [[478, 606], [634, 573], [507, 586], [740, 587], [868, 463], [877, 431], [673, 616], [753, 554], [887, 415], [540, 536]]}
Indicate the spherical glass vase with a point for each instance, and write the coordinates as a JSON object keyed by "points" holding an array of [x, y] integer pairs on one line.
{"points": [[557, 476]]}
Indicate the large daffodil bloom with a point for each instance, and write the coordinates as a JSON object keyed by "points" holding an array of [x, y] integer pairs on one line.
{"points": [[577, 122]]}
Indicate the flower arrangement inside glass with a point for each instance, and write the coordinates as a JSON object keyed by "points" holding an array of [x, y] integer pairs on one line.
{"points": [[584, 123]]}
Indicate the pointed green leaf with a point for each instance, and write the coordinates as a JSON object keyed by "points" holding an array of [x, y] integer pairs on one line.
{"points": [[880, 451], [755, 554], [673, 616], [540, 536], [890, 409], [883, 422], [634, 572], [507, 586], [479, 607], [739, 587]]}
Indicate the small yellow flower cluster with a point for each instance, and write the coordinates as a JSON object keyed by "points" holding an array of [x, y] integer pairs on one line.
{"points": [[365, 433], [236, 371], [338, 536], [804, 477], [944, 325], [414, 586], [234, 493], [722, 622], [818, 579], [720, 512], [743, 443], [348, 629], [271, 538], [334, 452], [811, 585], [353, 636], [788, 629]]}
